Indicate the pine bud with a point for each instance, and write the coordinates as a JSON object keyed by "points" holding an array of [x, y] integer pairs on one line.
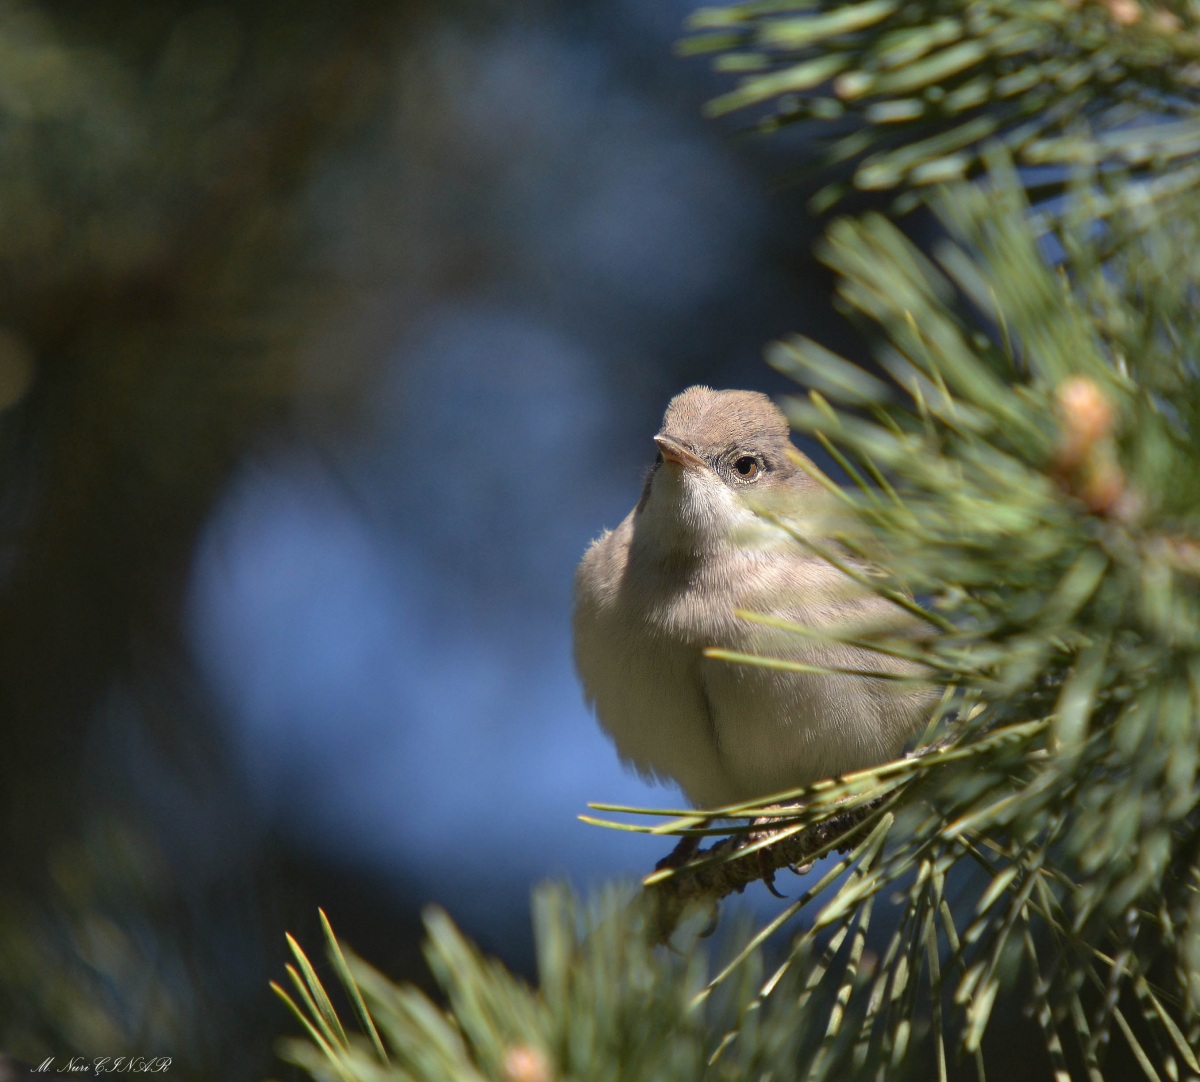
{"points": [[524, 1063], [1087, 418], [1086, 458]]}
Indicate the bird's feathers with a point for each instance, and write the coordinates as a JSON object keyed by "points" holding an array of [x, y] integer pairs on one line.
{"points": [[652, 594]]}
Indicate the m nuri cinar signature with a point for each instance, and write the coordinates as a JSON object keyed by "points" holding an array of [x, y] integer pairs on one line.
{"points": [[100, 1065]]}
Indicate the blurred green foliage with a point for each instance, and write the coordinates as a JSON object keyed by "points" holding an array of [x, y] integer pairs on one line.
{"points": [[607, 1007], [162, 273], [156, 246]]}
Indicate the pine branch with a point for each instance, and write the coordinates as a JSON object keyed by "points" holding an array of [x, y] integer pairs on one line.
{"points": [[733, 863], [840, 817]]}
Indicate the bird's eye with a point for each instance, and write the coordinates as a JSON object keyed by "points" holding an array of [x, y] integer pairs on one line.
{"points": [[747, 467]]}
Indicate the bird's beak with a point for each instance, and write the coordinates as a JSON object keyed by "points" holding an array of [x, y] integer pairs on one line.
{"points": [[674, 451]]}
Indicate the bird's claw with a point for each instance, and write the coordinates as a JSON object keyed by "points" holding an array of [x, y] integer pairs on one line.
{"points": [[768, 875], [767, 869]]}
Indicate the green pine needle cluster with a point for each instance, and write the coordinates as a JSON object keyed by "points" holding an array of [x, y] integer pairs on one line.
{"points": [[607, 1007], [1042, 494], [909, 94]]}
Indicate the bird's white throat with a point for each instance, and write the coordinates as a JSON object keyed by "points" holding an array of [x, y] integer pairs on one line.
{"points": [[691, 510]]}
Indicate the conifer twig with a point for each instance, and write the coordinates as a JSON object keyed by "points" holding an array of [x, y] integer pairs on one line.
{"points": [[733, 863]]}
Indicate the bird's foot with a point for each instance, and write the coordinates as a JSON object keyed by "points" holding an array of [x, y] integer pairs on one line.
{"points": [[769, 828]]}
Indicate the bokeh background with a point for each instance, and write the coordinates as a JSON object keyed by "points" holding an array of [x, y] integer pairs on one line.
{"points": [[330, 333]]}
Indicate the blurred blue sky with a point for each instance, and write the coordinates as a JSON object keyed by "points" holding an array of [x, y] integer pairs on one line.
{"points": [[382, 608]]}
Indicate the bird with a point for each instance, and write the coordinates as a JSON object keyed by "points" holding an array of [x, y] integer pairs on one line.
{"points": [[653, 594]]}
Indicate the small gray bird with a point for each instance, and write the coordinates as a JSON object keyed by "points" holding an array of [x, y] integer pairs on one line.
{"points": [[652, 594]]}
